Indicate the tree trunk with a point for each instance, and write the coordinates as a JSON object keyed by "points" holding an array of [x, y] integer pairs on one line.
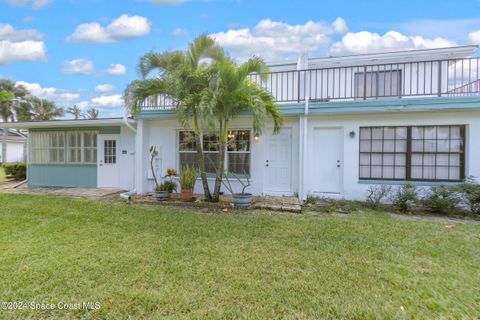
{"points": [[201, 157], [4, 145], [221, 161]]}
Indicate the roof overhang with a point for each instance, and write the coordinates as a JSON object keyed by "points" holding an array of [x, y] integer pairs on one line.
{"points": [[395, 57], [107, 122]]}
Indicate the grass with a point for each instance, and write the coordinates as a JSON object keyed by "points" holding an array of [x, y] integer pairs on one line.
{"points": [[143, 262], [2, 175]]}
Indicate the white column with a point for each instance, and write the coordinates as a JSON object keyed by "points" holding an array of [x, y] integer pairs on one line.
{"points": [[303, 64], [140, 158]]}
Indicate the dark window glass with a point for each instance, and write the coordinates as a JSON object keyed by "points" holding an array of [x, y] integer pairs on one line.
{"points": [[429, 153]]}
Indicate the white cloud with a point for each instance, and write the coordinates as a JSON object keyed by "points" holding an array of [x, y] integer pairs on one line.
{"points": [[272, 39], [369, 42], [55, 94], [180, 32], [116, 70], [124, 27], [78, 66], [104, 87], [22, 51], [7, 32], [33, 4], [474, 37], [21, 45], [115, 100]]}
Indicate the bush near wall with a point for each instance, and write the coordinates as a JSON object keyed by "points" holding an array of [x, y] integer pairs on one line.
{"points": [[17, 171]]}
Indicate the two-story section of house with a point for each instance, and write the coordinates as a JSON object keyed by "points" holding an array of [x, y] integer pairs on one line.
{"points": [[350, 122], [353, 121]]}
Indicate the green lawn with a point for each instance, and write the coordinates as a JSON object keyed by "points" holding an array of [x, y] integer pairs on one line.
{"points": [[154, 263], [2, 175]]}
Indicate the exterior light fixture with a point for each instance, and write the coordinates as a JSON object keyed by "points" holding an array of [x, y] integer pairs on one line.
{"points": [[256, 137], [352, 134]]}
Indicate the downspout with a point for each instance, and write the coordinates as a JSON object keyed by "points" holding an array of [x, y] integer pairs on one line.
{"points": [[127, 195], [128, 125], [303, 132]]}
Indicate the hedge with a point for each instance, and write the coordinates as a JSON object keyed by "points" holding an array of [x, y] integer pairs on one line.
{"points": [[17, 171]]}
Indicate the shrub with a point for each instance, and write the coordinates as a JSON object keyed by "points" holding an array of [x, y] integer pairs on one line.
{"points": [[469, 191], [169, 186], [440, 199], [17, 171], [375, 194], [311, 200], [405, 197]]}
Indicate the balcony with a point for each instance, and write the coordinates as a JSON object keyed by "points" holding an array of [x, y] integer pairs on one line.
{"points": [[435, 78]]}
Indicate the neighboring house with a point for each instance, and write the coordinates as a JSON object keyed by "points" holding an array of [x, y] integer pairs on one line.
{"points": [[16, 146], [350, 122]]}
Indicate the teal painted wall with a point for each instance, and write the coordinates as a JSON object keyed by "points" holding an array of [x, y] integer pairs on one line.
{"points": [[48, 175]]}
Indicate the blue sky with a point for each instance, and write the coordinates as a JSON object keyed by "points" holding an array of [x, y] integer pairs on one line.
{"points": [[85, 51]]}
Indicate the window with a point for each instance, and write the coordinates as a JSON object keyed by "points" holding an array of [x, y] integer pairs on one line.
{"points": [[47, 147], [110, 151], [59, 147], [238, 151], [378, 84], [428, 153]]}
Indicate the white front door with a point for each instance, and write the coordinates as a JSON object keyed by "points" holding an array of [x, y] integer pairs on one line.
{"points": [[327, 160], [278, 163], [107, 158]]}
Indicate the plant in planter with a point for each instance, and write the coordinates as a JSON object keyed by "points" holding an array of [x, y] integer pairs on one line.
{"points": [[188, 177], [162, 191], [242, 199]]}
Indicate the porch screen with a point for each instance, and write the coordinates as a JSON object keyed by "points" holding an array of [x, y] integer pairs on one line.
{"points": [[416, 153], [237, 159], [60, 147]]}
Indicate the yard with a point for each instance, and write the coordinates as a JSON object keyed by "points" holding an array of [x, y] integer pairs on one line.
{"points": [[151, 263], [2, 175]]}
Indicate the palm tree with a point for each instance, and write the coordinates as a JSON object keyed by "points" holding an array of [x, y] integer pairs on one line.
{"points": [[5, 97], [75, 111], [92, 113], [182, 77], [231, 93], [8, 107], [38, 110]]}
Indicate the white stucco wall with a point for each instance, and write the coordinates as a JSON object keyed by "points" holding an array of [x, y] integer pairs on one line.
{"points": [[126, 159], [14, 152], [352, 189], [164, 135]]}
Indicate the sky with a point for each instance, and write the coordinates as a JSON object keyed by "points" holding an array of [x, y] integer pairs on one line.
{"points": [[85, 52]]}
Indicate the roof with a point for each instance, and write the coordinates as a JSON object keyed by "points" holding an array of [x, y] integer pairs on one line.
{"points": [[383, 57], [68, 123], [13, 134]]}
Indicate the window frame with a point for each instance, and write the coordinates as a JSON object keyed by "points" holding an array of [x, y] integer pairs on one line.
{"points": [[408, 165], [64, 149], [226, 163], [361, 74]]}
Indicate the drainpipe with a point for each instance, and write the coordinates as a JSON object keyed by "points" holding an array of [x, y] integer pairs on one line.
{"points": [[303, 131], [127, 195], [127, 124]]}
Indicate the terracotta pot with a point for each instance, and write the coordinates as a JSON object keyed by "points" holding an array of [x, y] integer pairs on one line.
{"points": [[187, 194]]}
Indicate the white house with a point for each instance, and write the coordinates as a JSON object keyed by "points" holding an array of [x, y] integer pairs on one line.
{"points": [[16, 143], [350, 122]]}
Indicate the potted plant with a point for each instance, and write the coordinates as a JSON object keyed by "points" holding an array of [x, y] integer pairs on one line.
{"points": [[162, 191], [188, 177], [242, 199]]}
